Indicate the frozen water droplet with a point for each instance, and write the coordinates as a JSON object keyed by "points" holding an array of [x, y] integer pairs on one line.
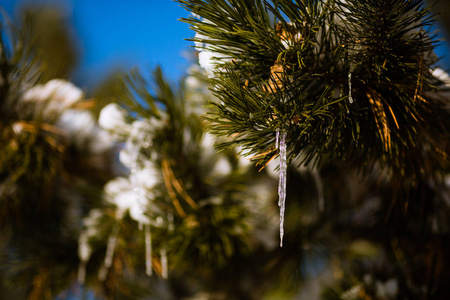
{"points": [[148, 251], [282, 181], [164, 267]]}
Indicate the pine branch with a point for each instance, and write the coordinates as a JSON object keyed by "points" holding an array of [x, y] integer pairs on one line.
{"points": [[344, 79]]}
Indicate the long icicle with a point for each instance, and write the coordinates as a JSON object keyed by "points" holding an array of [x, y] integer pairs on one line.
{"points": [[84, 252], [164, 264], [281, 143], [163, 251], [138, 192], [148, 251], [110, 247]]}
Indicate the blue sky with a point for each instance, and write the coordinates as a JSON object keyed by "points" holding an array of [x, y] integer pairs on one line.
{"points": [[118, 33], [130, 33]]}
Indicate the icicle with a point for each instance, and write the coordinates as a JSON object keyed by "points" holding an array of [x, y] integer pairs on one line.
{"points": [[281, 144], [319, 186], [148, 251], [81, 272], [163, 252], [112, 241], [84, 252], [164, 270], [277, 139], [350, 98]]}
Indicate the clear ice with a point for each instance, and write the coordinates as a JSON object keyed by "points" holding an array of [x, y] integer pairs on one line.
{"points": [[281, 145]]}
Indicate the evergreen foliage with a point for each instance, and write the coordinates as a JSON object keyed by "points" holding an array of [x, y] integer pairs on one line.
{"points": [[195, 211], [49, 172], [288, 65]]}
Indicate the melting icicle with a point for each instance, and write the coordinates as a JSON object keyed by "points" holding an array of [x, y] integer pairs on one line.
{"points": [[84, 252], [350, 98], [277, 139], [112, 241], [148, 251], [319, 186], [164, 270], [281, 143], [163, 252]]}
